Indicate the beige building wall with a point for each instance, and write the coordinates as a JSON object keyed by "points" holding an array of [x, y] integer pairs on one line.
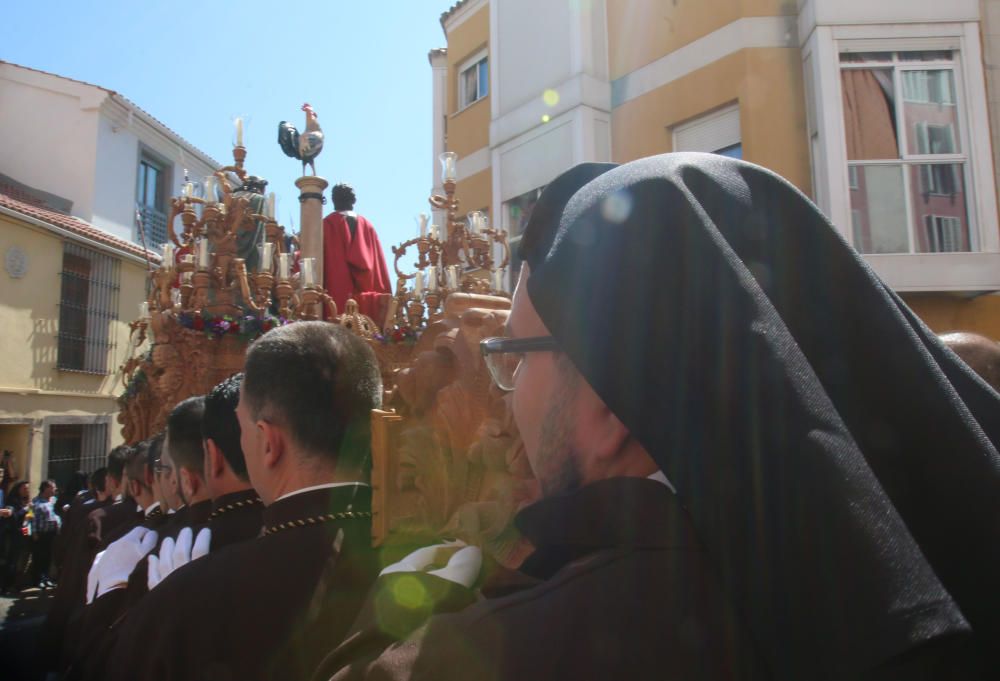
{"points": [[640, 31], [767, 85], [468, 129], [33, 392]]}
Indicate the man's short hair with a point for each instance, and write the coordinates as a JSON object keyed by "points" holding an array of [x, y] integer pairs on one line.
{"points": [[343, 197], [45, 484], [135, 462], [116, 461], [320, 381], [99, 479], [184, 432], [221, 426], [154, 452]]}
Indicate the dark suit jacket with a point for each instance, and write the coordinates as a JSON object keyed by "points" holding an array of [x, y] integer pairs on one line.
{"points": [[260, 609]]}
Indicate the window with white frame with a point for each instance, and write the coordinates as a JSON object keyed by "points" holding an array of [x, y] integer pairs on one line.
{"points": [[717, 132], [473, 80], [908, 164]]}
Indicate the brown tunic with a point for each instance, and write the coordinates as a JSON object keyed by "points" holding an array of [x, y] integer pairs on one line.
{"points": [[262, 609]]}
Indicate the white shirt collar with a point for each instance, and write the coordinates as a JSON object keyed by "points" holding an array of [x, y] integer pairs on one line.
{"points": [[152, 507], [348, 212], [329, 485], [661, 477]]}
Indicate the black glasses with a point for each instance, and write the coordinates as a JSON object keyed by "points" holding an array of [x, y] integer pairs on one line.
{"points": [[503, 356]]}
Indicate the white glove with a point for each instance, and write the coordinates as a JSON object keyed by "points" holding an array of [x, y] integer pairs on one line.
{"points": [[462, 567], [175, 554], [112, 566]]}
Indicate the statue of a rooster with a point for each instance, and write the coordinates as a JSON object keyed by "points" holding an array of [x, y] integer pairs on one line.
{"points": [[305, 147]]}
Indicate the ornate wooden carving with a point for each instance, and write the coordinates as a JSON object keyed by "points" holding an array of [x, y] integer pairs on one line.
{"points": [[448, 462]]}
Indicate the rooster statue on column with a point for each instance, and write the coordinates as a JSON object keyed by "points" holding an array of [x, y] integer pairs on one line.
{"points": [[305, 146]]}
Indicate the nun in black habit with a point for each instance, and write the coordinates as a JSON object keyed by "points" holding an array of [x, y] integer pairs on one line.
{"points": [[836, 468]]}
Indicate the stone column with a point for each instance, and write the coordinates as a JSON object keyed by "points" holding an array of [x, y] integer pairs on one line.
{"points": [[311, 220]]}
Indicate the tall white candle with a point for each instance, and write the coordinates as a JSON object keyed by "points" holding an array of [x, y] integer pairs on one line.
{"points": [[418, 284], [239, 131], [422, 219], [498, 280], [270, 205], [266, 257], [432, 279], [203, 258], [453, 277], [283, 269], [168, 256], [210, 189], [308, 271], [144, 310]]}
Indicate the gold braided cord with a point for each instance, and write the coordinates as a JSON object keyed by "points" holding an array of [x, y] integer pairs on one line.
{"points": [[233, 506], [316, 520]]}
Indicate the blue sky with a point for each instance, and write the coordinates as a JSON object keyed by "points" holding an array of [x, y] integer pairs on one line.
{"points": [[362, 64]]}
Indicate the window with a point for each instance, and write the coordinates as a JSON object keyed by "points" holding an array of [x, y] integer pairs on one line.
{"points": [[88, 303], [907, 167], [716, 133], [151, 202], [518, 212], [76, 447], [473, 80]]}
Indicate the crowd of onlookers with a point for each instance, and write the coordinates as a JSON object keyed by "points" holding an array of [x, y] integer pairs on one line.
{"points": [[31, 526]]}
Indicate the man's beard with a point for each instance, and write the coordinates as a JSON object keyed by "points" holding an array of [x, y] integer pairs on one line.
{"points": [[559, 471]]}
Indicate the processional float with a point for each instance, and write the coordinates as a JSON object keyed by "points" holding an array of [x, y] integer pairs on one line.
{"points": [[447, 460]]}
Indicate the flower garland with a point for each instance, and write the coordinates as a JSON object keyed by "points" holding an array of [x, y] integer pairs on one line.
{"points": [[246, 328], [403, 334], [134, 387]]}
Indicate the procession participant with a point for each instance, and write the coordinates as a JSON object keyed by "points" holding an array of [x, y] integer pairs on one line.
{"points": [[71, 590], [138, 488], [982, 354], [236, 506], [353, 261], [804, 524], [104, 519], [304, 414]]}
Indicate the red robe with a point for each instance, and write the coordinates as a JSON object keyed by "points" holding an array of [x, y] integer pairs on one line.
{"points": [[354, 267]]}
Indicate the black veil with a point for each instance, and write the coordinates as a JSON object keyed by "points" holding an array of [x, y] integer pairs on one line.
{"points": [[838, 463]]}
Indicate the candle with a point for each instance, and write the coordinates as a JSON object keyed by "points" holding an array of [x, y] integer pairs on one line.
{"points": [[266, 257], [283, 269], [448, 160], [434, 232], [210, 189], [203, 256], [422, 219], [186, 278], [432, 279], [239, 131], [168, 256], [270, 205], [498, 280], [474, 219], [188, 190], [144, 310], [418, 285], [453, 277], [308, 271]]}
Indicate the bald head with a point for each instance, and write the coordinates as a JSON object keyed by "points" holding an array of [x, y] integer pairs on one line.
{"points": [[982, 354]]}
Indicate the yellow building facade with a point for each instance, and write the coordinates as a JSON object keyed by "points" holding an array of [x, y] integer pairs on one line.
{"points": [[617, 80], [67, 293]]}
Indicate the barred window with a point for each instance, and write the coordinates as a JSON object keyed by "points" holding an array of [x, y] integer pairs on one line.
{"points": [[88, 304], [76, 447], [151, 201]]}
